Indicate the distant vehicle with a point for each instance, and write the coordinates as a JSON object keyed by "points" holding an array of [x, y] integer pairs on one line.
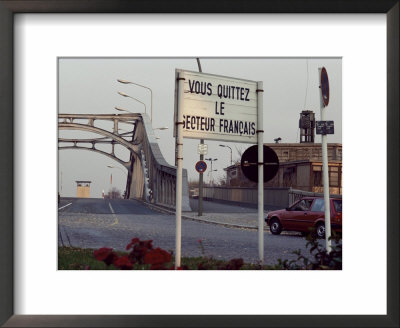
{"points": [[306, 215]]}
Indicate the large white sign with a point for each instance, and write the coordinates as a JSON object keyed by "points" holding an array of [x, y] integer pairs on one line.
{"points": [[217, 107]]}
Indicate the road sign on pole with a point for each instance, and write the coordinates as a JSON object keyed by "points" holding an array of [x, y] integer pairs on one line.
{"points": [[324, 86], [201, 166], [202, 149], [260, 144], [324, 127], [249, 163], [217, 108], [324, 100]]}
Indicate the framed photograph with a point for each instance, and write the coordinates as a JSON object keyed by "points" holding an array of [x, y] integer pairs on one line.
{"points": [[37, 36]]}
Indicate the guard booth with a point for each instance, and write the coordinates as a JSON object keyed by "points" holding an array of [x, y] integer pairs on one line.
{"points": [[307, 125], [83, 189]]}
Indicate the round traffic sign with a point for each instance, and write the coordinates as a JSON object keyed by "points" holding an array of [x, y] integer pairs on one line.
{"points": [[324, 86], [249, 163], [201, 166]]}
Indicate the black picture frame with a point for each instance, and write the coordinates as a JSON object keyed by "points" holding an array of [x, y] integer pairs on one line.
{"points": [[7, 10]]}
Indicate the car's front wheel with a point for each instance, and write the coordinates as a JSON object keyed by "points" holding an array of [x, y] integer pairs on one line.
{"points": [[275, 226], [320, 230]]}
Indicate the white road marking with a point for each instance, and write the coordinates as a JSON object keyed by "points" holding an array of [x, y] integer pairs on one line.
{"points": [[112, 210], [60, 208], [115, 218]]}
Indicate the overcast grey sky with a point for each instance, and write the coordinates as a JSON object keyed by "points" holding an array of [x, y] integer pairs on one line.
{"points": [[89, 86]]}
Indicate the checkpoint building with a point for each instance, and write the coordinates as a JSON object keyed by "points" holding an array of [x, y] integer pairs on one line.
{"points": [[83, 189], [300, 167], [300, 164]]}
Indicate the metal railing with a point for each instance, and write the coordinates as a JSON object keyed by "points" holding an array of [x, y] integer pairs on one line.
{"points": [[279, 197], [161, 175]]}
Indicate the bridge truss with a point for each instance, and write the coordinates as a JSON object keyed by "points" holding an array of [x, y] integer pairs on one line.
{"points": [[149, 176]]}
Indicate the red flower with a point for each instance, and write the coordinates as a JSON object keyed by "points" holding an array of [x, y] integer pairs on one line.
{"points": [[157, 258], [140, 250], [102, 253], [234, 264], [147, 244], [133, 242], [123, 263], [106, 255]]}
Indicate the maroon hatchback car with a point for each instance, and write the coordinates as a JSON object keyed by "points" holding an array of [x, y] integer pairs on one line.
{"points": [[305, 215]]}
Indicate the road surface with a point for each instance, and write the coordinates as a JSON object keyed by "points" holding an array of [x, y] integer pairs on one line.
{"points": [[95, 223]]}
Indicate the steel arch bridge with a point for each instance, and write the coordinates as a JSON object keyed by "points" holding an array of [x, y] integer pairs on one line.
{"points": [[149, 177]]}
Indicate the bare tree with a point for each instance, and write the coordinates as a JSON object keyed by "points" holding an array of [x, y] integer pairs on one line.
{"points": [[114, 193], [220, 181], [240, 150], [193, 183]]}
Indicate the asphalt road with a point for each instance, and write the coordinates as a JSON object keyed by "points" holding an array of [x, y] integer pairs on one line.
{"points": [[221, 206], [95, 223]]}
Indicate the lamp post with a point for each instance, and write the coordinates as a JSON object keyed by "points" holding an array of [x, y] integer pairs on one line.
{"points": [[161, 128], [230, 150], [143, 86], [210, 175], [128, 96], [211, 160], [117, 167], [122, 109]]}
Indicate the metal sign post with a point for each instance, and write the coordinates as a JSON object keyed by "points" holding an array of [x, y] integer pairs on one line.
{"points": [[260, 142], [179, 164], [200, 210], [324, 100]]}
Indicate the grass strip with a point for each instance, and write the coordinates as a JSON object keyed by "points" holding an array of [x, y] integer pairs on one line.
{"points": [[72, 258]]}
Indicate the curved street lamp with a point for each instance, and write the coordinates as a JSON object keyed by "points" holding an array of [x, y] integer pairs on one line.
{"points": [[117, 167], [128, 96], [161, 128], [122, 110], [143, 86], [229, 148]]}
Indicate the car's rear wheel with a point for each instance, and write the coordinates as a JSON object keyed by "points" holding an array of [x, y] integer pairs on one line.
{"points": [[275, 226], [320, 230]]}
